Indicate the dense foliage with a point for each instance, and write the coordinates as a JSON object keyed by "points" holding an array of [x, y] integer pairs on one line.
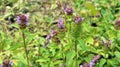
{"points": [[59, 33]]}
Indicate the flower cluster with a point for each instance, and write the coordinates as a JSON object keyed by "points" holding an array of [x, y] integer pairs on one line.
{"points": [[7, 63], [69, 11], [61, 23], [48, 37], [78, 19], [85, 64], [22, 20], [107, 42], [92, 62]]}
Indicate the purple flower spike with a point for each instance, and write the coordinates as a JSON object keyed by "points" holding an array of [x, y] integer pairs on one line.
{"points": [[78, 19], [22, 20], [18, 20], [51, 35], [94, 60], [61, 24], [69, 11]]}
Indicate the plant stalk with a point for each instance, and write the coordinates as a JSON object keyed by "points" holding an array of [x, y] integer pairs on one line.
{"points": [[62, 55], [76, 51], [25, 48]]}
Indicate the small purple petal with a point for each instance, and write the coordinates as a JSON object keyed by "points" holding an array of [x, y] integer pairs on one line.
{"points": [[65, 9], [92, 63], [78, 19], [110, 41], [53, 33], [18, 20], [61, 65], [10, 62], [92, 60], [1, 65], [61, 24], [48, 37], [26, 23], [81, 65], [27, 17]]}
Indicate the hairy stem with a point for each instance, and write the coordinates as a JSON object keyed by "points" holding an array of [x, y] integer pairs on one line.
{"points": [[25, 48]]}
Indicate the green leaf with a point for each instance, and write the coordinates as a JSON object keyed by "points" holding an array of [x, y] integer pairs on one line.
{"points": [[111, 63], [56, 63], [90, 6], [21, 58], [89, 57], [53, 6], [21, 65], [42, 60], [69, 58], [117, 54], [102, 62], [15, 46], [90, 40], [82, 44]]}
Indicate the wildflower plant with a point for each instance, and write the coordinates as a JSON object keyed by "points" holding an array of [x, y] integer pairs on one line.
{"points": [[76, 34], [23, 23], [62, 33]]}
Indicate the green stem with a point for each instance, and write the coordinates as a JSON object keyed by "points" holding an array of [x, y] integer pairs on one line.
{"points": [[76, 54], [25, 48], [69, 34], [38, 54], [62, 54]]}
